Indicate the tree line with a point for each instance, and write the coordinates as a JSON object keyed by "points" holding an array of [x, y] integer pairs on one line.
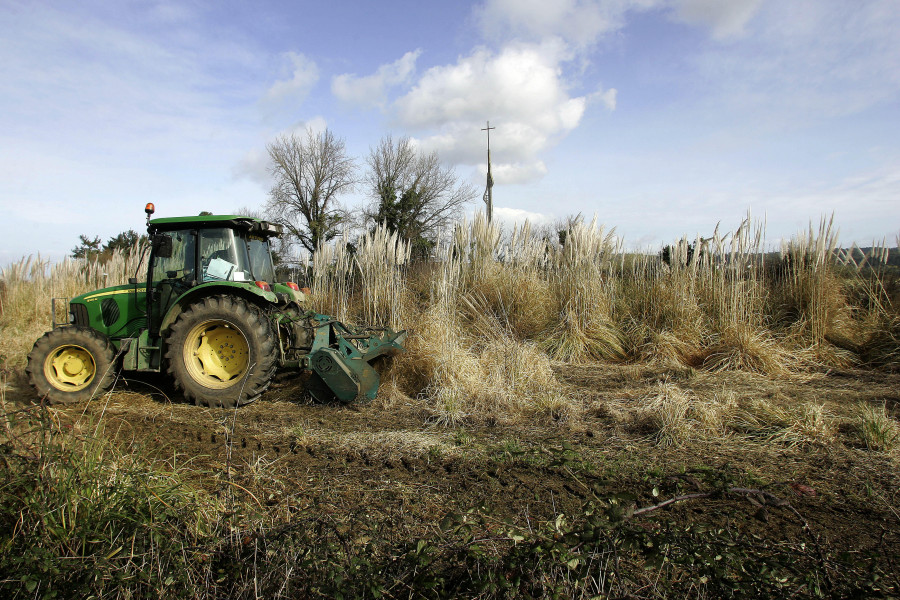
{"points": [[95, 249], [407, 190]]}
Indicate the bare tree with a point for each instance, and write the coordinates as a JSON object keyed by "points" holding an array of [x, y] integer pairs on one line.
{"points": [[412, 193], [310, 173]]}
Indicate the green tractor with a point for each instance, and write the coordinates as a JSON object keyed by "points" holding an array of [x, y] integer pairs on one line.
{"points": [[210, 315]]}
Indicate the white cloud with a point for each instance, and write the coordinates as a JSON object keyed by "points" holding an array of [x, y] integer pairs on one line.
{"points": [[304, 75], [522, 86], [517, 172], [516, 216], [521, 89], [606, 97], [253, 166], [580, 22], [317, 124], [725, 18], [371, 90]]}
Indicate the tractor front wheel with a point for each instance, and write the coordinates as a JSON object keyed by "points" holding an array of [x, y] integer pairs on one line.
{"points": [[71, 364], [221, 352]]}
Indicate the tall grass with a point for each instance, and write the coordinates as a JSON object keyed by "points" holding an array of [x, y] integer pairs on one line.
{"points": [[465, 360], [331, 278], [380, 261], [581, 288], [811, 294], [492, 301], [28, 286]]}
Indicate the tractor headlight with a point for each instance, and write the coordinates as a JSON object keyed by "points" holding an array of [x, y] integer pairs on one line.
{"points": [[71, 318]]}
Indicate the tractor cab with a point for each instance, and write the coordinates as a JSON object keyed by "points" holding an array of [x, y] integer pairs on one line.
{"points": [[198, 253], [218, 248], [212, 248]]}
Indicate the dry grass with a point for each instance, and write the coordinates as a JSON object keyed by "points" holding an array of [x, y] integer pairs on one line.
{"points": [[332, 278], [742, 347], [811, 425], [27, 288], [463, 379], [380, 444], [674, 416], [882, 348], [492, 310], [380, 261], [804, 425]]}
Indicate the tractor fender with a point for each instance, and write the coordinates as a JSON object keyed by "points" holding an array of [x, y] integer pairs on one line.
{"points": [[247, 291]]}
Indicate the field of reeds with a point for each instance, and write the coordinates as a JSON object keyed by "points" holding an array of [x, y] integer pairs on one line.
{"points": [[495, 310], [571, 419]]}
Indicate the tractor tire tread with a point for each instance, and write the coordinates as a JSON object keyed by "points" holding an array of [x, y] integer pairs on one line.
{"points": [[97, 344], [252, 322]]}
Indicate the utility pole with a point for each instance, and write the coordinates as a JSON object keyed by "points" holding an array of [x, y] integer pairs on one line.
{"points": [[488, 197]]}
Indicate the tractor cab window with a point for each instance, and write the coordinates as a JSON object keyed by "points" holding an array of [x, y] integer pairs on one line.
{"points": [[261, 259], [180, 265], [223, 256]]}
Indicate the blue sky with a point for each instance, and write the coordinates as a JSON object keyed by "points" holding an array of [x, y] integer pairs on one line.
{"points": [[663, 117]]}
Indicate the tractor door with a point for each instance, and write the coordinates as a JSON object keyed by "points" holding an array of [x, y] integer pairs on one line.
{"points": [[172, 273]]}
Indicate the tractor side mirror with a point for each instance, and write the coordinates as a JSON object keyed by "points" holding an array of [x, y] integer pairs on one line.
{"points": [[162, 245]]}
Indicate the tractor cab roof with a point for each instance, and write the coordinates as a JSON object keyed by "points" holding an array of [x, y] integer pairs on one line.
{"points": [[250, 224]]}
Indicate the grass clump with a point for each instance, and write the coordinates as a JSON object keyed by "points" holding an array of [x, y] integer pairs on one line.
{"points": [[467, 364], [882, 347], [806, 425], [876, 429], [502, 380], [79, 518], [811, 425], [741, 347], [674, 416]]}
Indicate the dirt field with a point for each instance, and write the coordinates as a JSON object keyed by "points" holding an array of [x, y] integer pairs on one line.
{"points": [[386, 462]]}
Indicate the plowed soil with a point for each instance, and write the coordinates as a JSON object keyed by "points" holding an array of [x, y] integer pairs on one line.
{"points": [[384, 458]]}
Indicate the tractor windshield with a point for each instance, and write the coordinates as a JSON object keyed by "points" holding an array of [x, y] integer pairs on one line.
{"points": [[223, 256], [226, 254]]}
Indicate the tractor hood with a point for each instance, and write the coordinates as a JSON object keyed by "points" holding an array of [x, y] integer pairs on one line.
{"points": [[118, 311]]}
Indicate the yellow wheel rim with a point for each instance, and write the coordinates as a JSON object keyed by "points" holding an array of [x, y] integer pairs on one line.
{"points": [[216, 354], [70, 368]]}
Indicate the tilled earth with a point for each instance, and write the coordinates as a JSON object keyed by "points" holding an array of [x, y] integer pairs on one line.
{"points": [[287, 452]]}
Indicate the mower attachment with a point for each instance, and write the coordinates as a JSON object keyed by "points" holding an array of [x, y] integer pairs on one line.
{"points": [[341, 358]]}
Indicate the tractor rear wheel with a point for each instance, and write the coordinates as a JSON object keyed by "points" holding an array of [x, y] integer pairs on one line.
{"points": [[221, 352], [71, 364]]}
